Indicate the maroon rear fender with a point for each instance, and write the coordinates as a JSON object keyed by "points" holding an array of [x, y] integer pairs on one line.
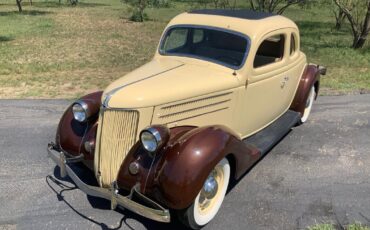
{"points": [[184, 165], [310, 77], [71, 134]]}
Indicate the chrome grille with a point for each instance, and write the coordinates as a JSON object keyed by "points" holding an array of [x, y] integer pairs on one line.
{"points": [[117, 133]]}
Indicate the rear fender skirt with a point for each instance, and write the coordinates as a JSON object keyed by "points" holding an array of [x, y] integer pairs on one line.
{"points": [[71, 134], [310, 77], [177, 173]]}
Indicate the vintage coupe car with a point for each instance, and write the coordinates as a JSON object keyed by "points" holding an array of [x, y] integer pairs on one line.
{"points": [[166, 139]]}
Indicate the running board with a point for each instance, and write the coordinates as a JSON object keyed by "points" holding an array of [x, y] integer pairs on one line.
{"points": [[267, 138]]}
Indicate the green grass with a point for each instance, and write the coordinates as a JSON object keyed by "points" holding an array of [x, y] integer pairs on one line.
{"points": [[348, 69], [322, 227], [55, 50], [355, 226]]}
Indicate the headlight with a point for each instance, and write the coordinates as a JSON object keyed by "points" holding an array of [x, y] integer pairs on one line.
{"points": [[154, 137], [80, 111]]}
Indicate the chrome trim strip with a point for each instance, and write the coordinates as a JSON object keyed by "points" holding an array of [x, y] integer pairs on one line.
{"points": [[213, 111], [194, 109], [99, 153], [113, 91], [158, 214], [195, 100]]}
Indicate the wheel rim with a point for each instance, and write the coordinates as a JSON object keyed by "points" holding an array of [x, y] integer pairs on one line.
{"points": [[206, 206], [308, 107]]}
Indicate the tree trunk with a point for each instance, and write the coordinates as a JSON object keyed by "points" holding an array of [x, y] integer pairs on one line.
{"points": [[361, 39], [19, 5], [141, 10], [359, 42], [215, 3], [252, 5], [288, 4], [360, 30], [339, 19]]}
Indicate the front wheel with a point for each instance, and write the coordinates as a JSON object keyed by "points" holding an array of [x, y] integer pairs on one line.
{"points": [[309, 102], [209, 200]]}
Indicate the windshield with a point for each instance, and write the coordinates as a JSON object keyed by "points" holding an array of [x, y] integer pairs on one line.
{"points": [[219, 46]]}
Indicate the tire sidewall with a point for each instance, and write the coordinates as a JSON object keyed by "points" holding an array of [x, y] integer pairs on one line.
{"points": [[192, 218], [307, 110]]}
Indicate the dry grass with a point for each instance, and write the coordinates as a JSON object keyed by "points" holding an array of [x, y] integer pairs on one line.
{"points": [[75, 50], [59, 51]]}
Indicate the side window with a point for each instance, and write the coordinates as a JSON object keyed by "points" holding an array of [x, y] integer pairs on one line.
{"points": [[270, 51], [198, 35], [292, 44], [176, 39]]}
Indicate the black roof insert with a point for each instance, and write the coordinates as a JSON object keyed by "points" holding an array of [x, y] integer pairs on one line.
{"points": [[245, 14]]}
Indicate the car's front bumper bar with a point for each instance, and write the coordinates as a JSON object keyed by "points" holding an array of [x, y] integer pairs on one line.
{"points": [[158, 213]]}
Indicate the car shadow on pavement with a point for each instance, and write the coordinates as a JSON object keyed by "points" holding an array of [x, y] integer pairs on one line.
{"points": [[103, 204], [234, 182]]}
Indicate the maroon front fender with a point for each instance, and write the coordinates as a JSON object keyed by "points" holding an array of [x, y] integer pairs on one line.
{"points": [[187, 164], [177, 173], [71, 134]]}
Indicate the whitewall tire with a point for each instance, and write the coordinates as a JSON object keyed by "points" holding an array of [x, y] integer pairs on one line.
{"points": [[210, 198], [309, 102]]}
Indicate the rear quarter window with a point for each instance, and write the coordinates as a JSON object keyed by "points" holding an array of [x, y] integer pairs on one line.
{"points": [[270, 51], [293, 44]]}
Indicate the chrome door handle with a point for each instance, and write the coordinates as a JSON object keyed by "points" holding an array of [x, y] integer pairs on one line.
{"points": [[283, 83]]}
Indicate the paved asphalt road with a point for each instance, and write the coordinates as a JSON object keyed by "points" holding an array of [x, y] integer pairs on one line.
{"points": [[319, 173]]}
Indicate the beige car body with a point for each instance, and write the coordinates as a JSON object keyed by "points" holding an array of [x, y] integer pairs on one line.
{"points": [[164, 141], [180, 91], [188, 83]]}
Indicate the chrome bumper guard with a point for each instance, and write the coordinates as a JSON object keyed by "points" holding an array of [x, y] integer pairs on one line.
{"points": [[159, 214]]}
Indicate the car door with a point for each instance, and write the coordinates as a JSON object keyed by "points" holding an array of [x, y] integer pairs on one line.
{"points": [[270, 85]]}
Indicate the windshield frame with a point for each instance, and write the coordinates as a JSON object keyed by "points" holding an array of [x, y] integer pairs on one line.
{"points": [[244, 36]]}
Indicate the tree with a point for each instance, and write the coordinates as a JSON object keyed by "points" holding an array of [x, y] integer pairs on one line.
{"points": [[73, 2], [137, 8], [339, 19], [222, 4], [19, 4], [276, 6], [359, 19], [339, 14]]}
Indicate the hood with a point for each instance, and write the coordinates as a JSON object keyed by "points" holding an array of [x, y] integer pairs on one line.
{"points": [[163, 81]]}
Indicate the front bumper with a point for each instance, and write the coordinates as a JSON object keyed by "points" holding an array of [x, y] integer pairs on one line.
{"points": [[157, 213]]}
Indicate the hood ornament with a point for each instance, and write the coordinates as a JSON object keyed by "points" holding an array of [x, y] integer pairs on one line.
{"points": [[106, 100]]}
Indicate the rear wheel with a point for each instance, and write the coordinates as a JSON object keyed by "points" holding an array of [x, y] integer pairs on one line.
{"points": [[209, 200], [309, 102]]}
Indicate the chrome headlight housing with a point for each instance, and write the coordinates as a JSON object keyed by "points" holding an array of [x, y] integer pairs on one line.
{"points": [[80, 111], [154, 137]]}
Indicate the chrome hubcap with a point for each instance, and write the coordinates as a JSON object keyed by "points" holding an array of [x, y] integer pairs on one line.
{"points": [[210, 187], [210, 191]]}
